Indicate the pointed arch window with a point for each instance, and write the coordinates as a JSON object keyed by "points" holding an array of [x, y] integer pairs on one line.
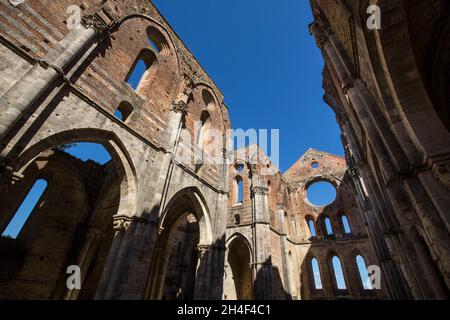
{"points": [[328, 226], [157, 41], [27, 206], [312, 227], [143, 69], [363, 274], [208, 98], [345, 225], [317, 279], [239, 190], [205, 120], [338, 273], [203, 138], [239, 167]]}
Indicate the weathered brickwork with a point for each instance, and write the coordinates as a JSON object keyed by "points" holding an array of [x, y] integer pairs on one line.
{"points": [[388, 91], [62, 85], [158, 221], [275, 232]]}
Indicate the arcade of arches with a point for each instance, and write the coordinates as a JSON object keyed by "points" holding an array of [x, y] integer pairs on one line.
{"points": [[144, 225]]}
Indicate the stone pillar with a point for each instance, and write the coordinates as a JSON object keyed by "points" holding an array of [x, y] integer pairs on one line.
{"points": [[390, 154], [111, 271], [90, 245], [156, 291], [327, 276], [322, 35], [437, 288], [404, 207], [262, 264], [287, 273], [177, 114], [23, 93], [390, 273], [142, 245], [351, 88], [203, 274]]}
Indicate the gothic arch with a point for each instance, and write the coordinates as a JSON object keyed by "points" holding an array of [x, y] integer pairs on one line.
{"points": [[238, 281], [334, 272], [213, 108], [185, 203], [309, 270], [193, 197], [111, 142], [238, 235], [205, 86], [245, 177], [154, 24]]}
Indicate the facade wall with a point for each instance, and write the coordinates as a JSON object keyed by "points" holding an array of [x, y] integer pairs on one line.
{"points": [[55, 230], [287, 247], [120, 222], [395, 131], [62, 85]]}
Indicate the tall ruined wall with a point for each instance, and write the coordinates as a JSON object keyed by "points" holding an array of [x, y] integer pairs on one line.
{"points": [[276, 227], [32, 266], [385, 84], [312, 167], [61, 85]]}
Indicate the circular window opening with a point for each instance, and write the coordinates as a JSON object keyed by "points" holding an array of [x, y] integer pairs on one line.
{"points": [[321, 193], [315, 165]]}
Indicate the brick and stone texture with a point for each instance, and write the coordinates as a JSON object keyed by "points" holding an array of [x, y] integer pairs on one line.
{"points": [[150, 224], [119, 222], [389, 90], [271, 225]]}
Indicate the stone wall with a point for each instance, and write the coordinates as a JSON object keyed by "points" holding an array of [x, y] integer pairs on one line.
{"points": [[62, 85], [389, 102], [277, 232]]}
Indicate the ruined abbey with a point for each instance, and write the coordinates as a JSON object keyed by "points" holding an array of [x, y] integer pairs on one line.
{"points": [[150, 224]]}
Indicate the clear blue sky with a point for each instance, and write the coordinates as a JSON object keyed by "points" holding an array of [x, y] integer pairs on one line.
{"points": [[262, 57]]}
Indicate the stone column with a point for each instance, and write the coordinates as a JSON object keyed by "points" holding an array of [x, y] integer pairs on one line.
{"points": [[327, 42], [262, 264], [382, 141], [436, 288], [23, 93], [327, 277], [322, 34], [404, 208], [110, 275], [90, 245], [145, 233], [177, 114], [287, 273], [156, 290], [203, 274], [323, 37]]}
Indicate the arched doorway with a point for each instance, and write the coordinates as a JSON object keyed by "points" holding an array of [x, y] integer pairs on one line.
{"points": [[68, 228], [179, 282], [238, 283], [177, 263]]}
